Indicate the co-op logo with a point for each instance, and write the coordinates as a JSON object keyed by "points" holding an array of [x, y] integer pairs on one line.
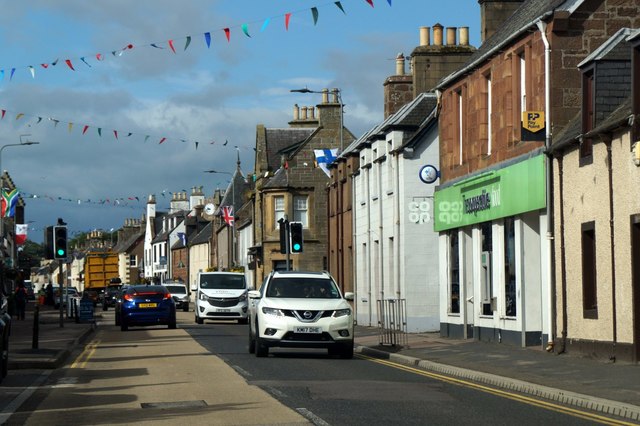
{"points": [[450, 212], [420, 212]]}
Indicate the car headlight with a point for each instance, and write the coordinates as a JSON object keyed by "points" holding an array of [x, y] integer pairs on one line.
{"points": [[242, 297], [341, 312], [202, 296], [273, 311]]}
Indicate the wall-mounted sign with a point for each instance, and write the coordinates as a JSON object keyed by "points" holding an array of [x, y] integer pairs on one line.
{"points": [[532, 126], [429, 174]]}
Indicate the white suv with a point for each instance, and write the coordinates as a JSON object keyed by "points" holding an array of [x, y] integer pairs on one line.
{"points": [[302, 310], [179, 293]]}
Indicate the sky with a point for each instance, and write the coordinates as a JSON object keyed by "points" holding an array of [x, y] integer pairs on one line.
{"points": [[126, 99]]}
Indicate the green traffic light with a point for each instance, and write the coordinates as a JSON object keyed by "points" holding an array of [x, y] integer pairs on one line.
{"points": [[296, 246], [60, 252]]}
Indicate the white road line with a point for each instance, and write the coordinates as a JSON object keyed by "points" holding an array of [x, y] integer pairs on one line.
{"points": [[11, 408], [312, 417]]}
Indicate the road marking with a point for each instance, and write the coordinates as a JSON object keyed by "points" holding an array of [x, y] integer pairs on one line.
{"points": [[505, 394], [11, 408], [85, 355], [241, 371], [312, 417]]}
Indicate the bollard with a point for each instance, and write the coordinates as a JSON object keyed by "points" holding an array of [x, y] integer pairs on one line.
{"points": [[36, 326]]}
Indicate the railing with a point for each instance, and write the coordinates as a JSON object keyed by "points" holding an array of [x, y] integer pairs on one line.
{"points": [[392, 322]]}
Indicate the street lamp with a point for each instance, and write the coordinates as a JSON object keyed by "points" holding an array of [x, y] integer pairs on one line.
{"points": [[233, 202], [2, 178], [338, 95]]}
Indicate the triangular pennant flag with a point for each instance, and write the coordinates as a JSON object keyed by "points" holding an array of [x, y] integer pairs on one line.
{"points": [[55, 122], [70, 127], [227, 33], [19, 116], [187, 43], [129, 134], [196, 145], [245, 30], [146, 138], [45, 66], [171, 46], [100, 131], [287, 17], [1, 74], [207, 39], [85, 61], [156, 46], [54, 63], [389, 1], [84, 130], [162, 140], [115, 132], [265, 24], [314, 13], [33, 72], [39, 120], [4, 111], [99, 56], [339, 5], [370, 2], [13, 70], [68, 62]]}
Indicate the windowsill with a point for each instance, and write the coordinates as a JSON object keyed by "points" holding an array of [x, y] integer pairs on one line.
{"points": [[587, 160], [390, 192], [374, 197], [590, 314]]}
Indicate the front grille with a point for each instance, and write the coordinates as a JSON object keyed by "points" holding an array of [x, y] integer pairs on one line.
{"points": [[223, 302], [307, 337], [299, 314]]}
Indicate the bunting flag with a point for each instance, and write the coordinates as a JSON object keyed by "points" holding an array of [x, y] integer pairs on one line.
{"points": [[171, 46], [245, 30], [324, 157], [287, 17], [227, 33], [187, 42], [9, 201], [207, 39], [227, 213], [68, 62], [314, 13], [339, 5], [21, 233], [265, 24], [370, 2]]}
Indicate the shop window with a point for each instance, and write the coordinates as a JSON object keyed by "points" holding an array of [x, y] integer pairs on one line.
{"points": [[485, 269], [589, 281], [454, 272], [510, 267]]}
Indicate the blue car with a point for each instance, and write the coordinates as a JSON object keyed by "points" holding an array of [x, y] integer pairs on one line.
{"points": [[145, 305]]}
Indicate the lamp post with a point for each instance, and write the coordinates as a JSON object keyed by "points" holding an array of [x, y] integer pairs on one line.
{"points": [[26, 143], [233, 203], [338, 95]]}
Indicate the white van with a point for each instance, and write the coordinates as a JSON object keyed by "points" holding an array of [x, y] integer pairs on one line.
{"points": [[221, 295]]}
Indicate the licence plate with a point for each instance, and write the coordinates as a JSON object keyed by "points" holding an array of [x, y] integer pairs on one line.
{"points": [[147, 305], [223, 310], [308, 330]]}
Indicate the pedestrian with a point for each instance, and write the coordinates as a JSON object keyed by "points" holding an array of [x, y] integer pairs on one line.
{"points": [[20, 297], [50, 300]]}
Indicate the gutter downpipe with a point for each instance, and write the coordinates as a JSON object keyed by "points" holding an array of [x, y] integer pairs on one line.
{"points": [[542, 27], [354, 248]]}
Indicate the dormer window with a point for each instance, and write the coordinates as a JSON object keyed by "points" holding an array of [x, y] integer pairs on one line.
{"points": [[588, 110]]}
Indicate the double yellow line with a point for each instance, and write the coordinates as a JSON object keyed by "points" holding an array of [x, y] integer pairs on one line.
{"points": [[85, 355], [504, 394]]}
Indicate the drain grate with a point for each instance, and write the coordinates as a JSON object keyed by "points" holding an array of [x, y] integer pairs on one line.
{"points": [[173, 404]]}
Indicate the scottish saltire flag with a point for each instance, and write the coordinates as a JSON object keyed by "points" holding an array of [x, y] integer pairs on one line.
{"points": [[9, 201], [324, 157], [183, 237], [21, 234], [227, 212]]}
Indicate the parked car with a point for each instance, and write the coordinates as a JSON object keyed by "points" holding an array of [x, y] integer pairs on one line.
{"points": [[180, 295], [110, 296], [303, 310], [221, 295], [142, 305], [67, 293]]}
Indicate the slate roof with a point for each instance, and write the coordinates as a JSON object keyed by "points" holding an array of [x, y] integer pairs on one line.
{"points": [[520, 22], [127, 244], [280, 139], [615, 48], [203, 236]]}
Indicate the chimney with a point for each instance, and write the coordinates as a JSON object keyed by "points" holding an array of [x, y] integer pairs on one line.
{"points": [[493, 14], [424, 36], [329, 115], [296, 112], [398, 89], [431, 63]]}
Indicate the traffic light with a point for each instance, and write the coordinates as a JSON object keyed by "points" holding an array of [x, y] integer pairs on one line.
{"points": [[282, 223], [297, 242], [59, 242], [48, 242]]}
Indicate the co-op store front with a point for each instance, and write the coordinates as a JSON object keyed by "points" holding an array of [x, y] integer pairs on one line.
{"points": [[494, 254]]}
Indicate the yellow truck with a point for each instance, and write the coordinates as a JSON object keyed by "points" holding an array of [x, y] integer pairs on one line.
{"points": [[100, 269]]}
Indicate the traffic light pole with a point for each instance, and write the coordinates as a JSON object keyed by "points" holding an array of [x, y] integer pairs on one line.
{"points": [[61, 295], [288, 242]]}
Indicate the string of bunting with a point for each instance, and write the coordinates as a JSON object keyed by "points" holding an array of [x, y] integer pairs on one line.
{"points": [[132, 201], [117, 134], [170, 44]]}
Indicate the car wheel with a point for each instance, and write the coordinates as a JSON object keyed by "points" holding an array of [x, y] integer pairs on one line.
{"points": [[346, 350], [252, 343], [262, 350], [185, 308], [123, 325], [243, 321], [199, 320], [172, 321]]}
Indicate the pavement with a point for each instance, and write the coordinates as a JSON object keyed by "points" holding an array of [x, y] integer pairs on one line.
{"points": [[606, 387]]}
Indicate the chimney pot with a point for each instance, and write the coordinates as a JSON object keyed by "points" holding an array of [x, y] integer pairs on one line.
{"points": [[451, 36], [325, 96], [311, 111], [334, 93], [464, 36], [437, 35], [303, 113], [424, 36], [296, 112], [400, 64]]}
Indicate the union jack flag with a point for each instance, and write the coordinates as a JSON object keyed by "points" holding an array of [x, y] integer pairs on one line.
{"points": [[227, 212]]}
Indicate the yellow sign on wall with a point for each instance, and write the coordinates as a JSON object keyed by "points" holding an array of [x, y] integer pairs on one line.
{"points": [[532, 125]]}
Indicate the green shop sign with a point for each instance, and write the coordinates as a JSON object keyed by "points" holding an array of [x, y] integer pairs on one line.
{"points": [[491, 195]]}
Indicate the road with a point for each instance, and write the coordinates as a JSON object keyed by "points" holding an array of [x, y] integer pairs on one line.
{"points": [[204, 375]]}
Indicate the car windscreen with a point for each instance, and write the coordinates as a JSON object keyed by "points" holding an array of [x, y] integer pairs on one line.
{"points": [[176, 289], [222, 282], [313, 288]]}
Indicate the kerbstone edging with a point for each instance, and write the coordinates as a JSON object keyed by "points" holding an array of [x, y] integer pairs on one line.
{"points": [[601, 405]]}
